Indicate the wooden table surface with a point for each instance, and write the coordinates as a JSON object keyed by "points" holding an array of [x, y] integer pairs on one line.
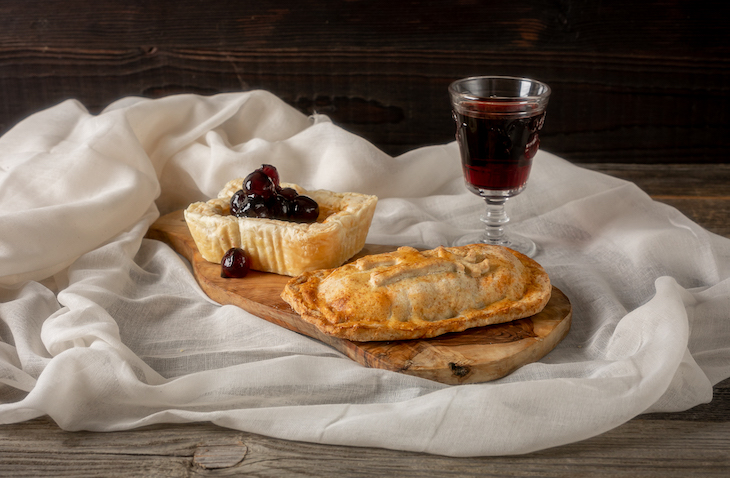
{"points": [[686, 444]]}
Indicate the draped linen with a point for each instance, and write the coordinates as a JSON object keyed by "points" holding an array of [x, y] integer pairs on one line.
{"points": [[102, 329]]}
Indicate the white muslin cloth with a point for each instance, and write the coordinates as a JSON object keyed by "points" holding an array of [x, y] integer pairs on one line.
{"points": [[103, 329]]}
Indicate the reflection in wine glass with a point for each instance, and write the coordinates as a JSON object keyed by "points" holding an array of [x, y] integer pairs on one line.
{"points": [[498, 120]]}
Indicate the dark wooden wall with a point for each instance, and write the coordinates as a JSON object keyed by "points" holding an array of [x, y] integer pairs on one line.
{"points": [[633, 81]]}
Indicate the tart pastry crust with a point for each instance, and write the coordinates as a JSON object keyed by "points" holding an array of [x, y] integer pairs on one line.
{"points": [[283, 247], [412, 294]]}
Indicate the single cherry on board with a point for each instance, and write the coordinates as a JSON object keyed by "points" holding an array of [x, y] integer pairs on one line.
{"points": [[235, 263]]}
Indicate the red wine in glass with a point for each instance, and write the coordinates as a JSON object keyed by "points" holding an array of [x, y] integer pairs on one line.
{"points": [[497, 147], [498, 121]]}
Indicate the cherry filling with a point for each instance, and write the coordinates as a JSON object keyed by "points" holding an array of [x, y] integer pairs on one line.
{"points": [[289, 193], [262, 196], [304, 209], [259, 184], [271, 172]]}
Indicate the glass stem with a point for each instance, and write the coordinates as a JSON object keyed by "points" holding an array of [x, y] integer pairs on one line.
{"points": [[495, 219]]}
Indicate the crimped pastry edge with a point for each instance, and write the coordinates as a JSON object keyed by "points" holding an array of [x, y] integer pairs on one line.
{"points": [[283, 247], [537, 295]]}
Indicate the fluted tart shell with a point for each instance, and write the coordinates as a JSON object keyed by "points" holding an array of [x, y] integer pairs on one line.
{"points": [[284, 247]]}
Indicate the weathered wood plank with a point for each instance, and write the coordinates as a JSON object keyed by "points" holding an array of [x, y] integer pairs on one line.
{"points": [[651, 448], [702, 181], [578, 25], [399, 101], [633, 82]]}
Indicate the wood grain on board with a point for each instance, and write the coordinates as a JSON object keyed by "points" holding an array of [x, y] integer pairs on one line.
{"points": [[476, 355]]}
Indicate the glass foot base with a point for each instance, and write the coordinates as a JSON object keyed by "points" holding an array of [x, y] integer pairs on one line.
{"points": [[518, 243]]}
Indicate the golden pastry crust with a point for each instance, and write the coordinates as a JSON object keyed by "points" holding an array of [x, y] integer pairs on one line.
{"points": [[411, 294], [283, 247]]}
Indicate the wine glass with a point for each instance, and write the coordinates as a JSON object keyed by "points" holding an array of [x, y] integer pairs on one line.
{"points": [[498, 120]]}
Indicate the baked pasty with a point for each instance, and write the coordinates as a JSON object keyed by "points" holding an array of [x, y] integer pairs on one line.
{"points": [[410, 294], [283, 247]]}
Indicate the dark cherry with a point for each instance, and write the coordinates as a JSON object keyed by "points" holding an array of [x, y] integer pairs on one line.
{"points": [[254, 206], [237, 202], [304, 209], [259, 184], [279, 207], [289, 193], [271, 172], [235, 263]]}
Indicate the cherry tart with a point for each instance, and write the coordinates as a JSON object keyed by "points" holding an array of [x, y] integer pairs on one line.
{"points": [[282, 243]]}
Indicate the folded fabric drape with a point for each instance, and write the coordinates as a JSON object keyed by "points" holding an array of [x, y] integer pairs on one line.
{"points": [[103, 329]]}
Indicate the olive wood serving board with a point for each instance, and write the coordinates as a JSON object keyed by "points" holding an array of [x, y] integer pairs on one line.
{"points": [[475, 355]]}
